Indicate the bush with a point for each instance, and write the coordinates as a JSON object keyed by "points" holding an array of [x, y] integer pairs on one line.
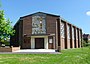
{"points": [[84, 43]]}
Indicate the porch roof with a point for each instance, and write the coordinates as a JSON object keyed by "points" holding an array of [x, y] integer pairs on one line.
{"points": [[40, 35]]}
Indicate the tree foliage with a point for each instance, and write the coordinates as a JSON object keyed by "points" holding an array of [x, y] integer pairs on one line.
{"points": [[5, 27]]}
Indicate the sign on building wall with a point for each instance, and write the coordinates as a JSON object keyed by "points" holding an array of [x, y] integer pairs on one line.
{"points": [[50, 40], [39, 24]]}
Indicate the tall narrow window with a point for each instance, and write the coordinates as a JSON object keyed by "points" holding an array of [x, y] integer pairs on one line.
{"points": [[73, 33], [76, 34], [80, 35], [62, 30], [38, 24], [68, 31]]}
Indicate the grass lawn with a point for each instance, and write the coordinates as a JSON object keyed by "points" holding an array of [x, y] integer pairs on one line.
{"points": [[70, 56]]}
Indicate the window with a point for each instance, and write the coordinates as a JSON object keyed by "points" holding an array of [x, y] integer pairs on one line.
{"points": [[72, 32], [76, 34], [68, 31], [62, 28], [80, 35], [38, 24]]}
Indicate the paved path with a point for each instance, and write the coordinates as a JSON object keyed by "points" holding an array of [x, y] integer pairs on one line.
{"points": [[36, 50], [32, 51]]}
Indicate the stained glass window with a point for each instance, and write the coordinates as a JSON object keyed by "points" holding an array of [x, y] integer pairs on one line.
{"points": [[62, 28], [72, 32], [80, 35], [38, 24], [68, 31], [76, 34]]}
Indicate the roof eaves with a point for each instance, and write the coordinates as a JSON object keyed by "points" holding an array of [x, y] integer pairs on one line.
{"points": [[42, 13]]}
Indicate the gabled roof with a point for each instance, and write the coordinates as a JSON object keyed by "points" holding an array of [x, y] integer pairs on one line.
{"points": [[41, 13], [21, 18]]}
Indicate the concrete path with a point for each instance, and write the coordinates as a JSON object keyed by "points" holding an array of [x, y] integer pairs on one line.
{"points": [[33, 51]]}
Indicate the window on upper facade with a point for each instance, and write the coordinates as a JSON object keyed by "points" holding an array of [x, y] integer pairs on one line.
{"points": [[80, 35], [38, 24], [68, 31], [73, 33], [76, 34], [62, 30]]}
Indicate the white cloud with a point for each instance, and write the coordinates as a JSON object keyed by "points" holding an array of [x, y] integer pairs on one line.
{"points": [[88, 13]]}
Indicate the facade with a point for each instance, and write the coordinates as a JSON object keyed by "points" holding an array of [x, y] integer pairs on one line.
{"points": [[45, 31], [86, 38]]}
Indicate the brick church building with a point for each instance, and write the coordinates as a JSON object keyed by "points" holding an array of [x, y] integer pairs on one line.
{"points": [[45, 31]]}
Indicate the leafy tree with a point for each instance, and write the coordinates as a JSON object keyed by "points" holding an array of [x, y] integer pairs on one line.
{"points": [[5, 28]]}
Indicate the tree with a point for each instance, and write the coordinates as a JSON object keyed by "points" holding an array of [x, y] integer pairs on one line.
{"points": [[6, 29]]}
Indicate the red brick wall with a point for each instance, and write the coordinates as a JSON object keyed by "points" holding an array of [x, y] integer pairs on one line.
{"points": [[62, 43], [51, 24], [27, 31], [9, 49], [27, 25]]}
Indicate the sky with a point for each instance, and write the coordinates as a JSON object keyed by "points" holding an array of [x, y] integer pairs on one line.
{"points": [[76, 12]]}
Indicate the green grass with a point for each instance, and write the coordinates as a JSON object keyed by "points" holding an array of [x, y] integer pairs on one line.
{"points": [[70, 56]]}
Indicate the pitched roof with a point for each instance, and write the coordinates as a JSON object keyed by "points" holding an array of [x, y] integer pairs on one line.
{"points": [[41, 13]]}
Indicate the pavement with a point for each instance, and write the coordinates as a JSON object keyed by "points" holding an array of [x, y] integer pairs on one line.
{"points": [[33, 51]]}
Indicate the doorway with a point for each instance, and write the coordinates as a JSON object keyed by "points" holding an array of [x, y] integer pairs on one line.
{"points": [[39, 43]]}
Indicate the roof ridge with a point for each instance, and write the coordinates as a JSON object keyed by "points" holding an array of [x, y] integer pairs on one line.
{"points": [[42, 13]]}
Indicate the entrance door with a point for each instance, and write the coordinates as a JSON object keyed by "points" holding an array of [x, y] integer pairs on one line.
{"points": [[39, 43]]}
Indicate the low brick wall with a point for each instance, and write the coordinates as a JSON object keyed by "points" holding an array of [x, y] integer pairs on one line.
{"points": [[15, 49], [9, 49]]}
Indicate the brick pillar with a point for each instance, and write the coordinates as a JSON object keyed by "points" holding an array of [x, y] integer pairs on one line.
{"points": [[81, 38], [66, 39], [71, 41], [74, 37], [78, 39], [58, 32], [53, 42], [56, 35]]}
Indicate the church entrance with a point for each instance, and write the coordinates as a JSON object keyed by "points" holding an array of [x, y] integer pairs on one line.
{"points": [[39, 43]]}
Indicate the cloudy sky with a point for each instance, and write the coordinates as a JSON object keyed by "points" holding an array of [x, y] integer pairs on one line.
{"points": [[76, 12]]}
